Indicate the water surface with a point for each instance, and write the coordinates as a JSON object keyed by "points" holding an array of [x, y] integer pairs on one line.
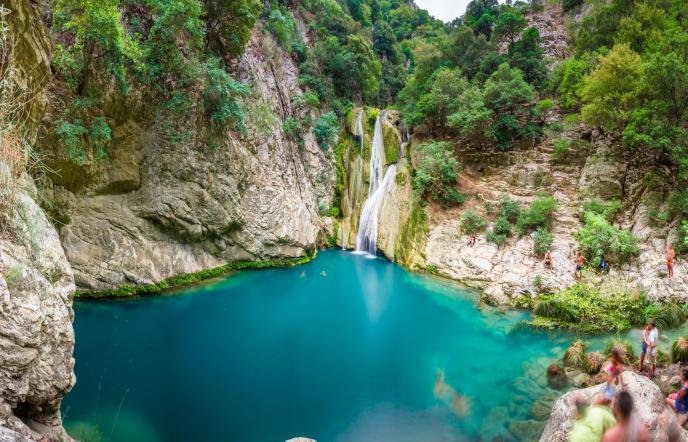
{"points": [[344, 348]]}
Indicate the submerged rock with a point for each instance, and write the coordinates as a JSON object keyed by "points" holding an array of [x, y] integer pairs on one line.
{"points": [[556, 376]]}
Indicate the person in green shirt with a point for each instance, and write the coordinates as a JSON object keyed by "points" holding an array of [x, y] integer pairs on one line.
{"points": [[593, 420]]}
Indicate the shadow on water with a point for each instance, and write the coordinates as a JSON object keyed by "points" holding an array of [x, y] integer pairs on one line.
{"points": [[343, 348]]}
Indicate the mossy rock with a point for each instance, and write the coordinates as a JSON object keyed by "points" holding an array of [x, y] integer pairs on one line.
{"points": [[392, 142], [556, 376]]}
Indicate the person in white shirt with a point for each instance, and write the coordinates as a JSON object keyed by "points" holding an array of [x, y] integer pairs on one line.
{"points": [[649, 347]]}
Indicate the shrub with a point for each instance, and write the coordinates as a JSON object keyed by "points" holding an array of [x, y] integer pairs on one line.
{"points": [[679, 350], [292, 127], [575, 355], [595, 362], [499, 239], [584, 308], [561, 149], [544, 106], [436, 172], [666, 315], [502, 226], [472, 223], [540, 213], [624, 348], [608, 209], [600, 239], [326, 130], [542, 241], [508, 208], [221, 97]]}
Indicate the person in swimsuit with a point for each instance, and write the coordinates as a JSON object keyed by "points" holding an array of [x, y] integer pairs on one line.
{"points": [[613, 374], [643, 347], [679, 400], [670, 255], [580, 262], [628, 426], [548, 259]]}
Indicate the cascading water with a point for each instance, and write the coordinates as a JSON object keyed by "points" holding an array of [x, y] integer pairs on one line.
{"points": [[366, 238]]}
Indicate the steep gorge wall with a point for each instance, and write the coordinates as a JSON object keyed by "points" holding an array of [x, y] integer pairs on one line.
{"points": [[158, 208], [36, 281]]}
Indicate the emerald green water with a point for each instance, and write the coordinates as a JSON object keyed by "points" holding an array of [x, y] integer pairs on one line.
{"points": [[344, 348]]}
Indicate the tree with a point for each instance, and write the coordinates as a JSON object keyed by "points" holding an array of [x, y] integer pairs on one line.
{"points": [[229, 24], [466, 50], [354, 68], [442, 99], [385, 43], [613, 89], [480, 15], [526, 54], [437, 171], [509, 25], [472, 118], [99, 42]]}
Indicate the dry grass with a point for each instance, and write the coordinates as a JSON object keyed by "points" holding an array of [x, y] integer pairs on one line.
{"points": [[15, 100]]}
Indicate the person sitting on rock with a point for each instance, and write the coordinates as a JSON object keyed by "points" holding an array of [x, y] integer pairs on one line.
{"points": [[593, 421], [604, 266], [471, 240], [670, 255], [548, 259], [679, 400], [628, 426], [580, 262]]}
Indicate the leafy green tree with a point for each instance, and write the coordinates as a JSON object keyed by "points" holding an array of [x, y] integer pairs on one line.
{"points": [[526, 54], [441, 99], [228, 24], [472, 223], [326, 130], [354, 68], [471, 118], [466, 50], [507, 94], [480, 16], [437, 171], [613, 90], [569, 77], [98, 41], [509, 25], [385, 43]]}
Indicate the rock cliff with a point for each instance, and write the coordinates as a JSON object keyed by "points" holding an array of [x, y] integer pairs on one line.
{"points": [[36, 281], [158, 208]]}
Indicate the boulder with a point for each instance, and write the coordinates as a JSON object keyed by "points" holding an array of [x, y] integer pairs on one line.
{"points": [[649, 404]]}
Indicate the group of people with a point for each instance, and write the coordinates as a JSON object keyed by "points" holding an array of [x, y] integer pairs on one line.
{"points": [[610, 417], [604, 265]]}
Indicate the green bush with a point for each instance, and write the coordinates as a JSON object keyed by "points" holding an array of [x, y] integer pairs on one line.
{"points": [[502, 226], [292, 128], [472, 223], [508, 208], [540, 213], [584, 308], [436, 172], [542, 241], [326, 130], [608, 209], [282, 26], [561, 149], [497, 238], [624, 348], [544, 106], [666, 315], [575, 355], [221, 96], [598, 239], [679, 350]]}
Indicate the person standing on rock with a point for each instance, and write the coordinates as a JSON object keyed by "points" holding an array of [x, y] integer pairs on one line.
{"points": [[628, 426], [649, 347], [614, 374], [670, 255], [580, 262], [548, 259]]}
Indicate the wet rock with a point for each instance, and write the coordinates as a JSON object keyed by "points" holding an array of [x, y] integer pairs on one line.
{"points": [[648, 400], [556, 376]]}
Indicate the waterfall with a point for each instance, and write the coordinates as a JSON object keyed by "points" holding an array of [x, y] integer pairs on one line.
{"points": [[358, 127], [366, 238]]}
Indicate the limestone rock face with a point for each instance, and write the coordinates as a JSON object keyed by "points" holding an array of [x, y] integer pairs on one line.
{"points": [[649, 405], [160, 208], [36, 335]]}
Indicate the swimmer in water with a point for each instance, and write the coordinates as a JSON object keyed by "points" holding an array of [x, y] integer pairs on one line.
{"points": [[459, 404]]}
